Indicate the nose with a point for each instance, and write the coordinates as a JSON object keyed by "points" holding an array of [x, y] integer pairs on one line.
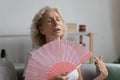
{"points": [[54, 22]]}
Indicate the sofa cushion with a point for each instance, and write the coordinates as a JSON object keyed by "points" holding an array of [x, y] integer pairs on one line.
{"points": [[89, 71]]}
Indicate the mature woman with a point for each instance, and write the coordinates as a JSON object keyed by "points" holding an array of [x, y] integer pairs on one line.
{"points": [[48, 25]]}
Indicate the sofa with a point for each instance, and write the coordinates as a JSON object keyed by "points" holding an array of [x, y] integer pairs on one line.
{"points": [[8, 71]]}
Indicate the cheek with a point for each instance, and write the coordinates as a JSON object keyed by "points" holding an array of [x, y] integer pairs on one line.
{"points": [[62, 25], [46, 30], [43, 29]]}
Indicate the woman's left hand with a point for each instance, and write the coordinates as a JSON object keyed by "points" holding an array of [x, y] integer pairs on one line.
{"points": [[61, 77], [102, 68]]}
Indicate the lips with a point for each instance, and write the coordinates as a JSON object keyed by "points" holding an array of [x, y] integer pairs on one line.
{"points": [[55, 30]]}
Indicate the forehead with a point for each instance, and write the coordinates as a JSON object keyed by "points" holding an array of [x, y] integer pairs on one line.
{"points": [[51, 14]]}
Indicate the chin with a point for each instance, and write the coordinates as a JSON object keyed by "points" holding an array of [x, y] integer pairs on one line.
{"points": [[59, 35]]}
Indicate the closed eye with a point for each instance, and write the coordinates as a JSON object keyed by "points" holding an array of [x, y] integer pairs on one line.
{"points": [[58, 19], [49, 21]]}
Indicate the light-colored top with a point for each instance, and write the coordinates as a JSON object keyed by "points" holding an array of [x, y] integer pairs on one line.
{"points": [[72, 76]]}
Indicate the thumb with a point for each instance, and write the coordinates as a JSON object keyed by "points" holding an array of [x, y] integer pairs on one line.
{"points": [[64, 74]]}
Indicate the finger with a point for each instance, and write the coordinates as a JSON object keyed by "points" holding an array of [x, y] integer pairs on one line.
{"points": [[65, 78], [96, 58], [100, 57], [102, 68], [64, 74], [103, 72], [101, 65]]}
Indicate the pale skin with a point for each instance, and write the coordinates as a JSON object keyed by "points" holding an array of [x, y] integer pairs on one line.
{"points": [[53, 29], [102, 68]]}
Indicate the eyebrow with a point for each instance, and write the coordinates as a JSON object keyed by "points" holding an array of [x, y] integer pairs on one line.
{"points": [[53, 17], [49, 17]]}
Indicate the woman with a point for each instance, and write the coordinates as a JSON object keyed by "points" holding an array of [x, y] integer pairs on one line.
{"points": [[48, 25]]}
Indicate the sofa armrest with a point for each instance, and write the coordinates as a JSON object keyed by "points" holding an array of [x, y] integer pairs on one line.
{"points": [[113, 71], [19, 67], [7, 71]]}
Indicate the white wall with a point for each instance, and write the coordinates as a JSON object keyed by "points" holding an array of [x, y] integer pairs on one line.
{"points": [[102, 17]]}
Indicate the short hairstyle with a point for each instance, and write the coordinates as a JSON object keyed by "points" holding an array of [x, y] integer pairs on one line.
{"points": [[38, 39]]}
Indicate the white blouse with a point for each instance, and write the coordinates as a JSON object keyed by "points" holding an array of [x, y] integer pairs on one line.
{"points": [[73, 75]]}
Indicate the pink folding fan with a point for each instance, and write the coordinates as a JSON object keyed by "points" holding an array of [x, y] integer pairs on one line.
{"points": [[55, 58]]}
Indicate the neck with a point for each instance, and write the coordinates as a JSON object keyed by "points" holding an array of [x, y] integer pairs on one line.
{"points": [[49, 39]]}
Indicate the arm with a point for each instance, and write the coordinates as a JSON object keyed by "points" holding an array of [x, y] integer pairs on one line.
{"points": [[80, 74], [102, 68]]}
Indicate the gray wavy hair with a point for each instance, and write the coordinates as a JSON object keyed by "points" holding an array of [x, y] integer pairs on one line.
{"points": [[38, 39]]}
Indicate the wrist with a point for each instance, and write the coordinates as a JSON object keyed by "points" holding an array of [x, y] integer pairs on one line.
{"points": [[100, 77]]}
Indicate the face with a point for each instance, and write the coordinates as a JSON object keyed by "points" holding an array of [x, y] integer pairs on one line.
{"points": [[52, 25]]}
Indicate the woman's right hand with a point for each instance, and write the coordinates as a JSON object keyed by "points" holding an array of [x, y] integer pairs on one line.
{"points": [[102, 68], [61, 77]]}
